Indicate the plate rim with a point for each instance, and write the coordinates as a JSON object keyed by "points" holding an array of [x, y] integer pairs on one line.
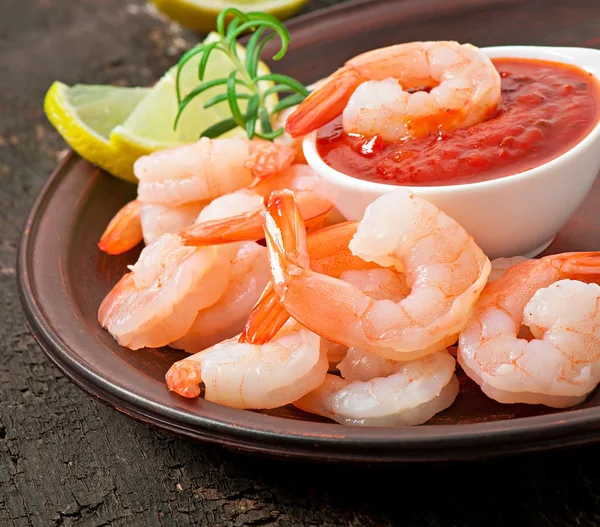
{"points": [[425, 442], [337, 442]]}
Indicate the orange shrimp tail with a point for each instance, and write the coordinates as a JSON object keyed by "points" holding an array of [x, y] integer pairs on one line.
{"points": [[268, 159], [124, 231], [285, 234], [244, 227], [324, 104], [266, 319], [250, 226], [583, 266], [184, 378]]}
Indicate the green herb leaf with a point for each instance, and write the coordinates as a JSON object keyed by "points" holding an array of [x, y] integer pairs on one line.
{"points": [[276, 89], [182, 62], [286, 81], [222, 97], [255, 58], [231, 96], [276, 26], [231, 24], [265, 121], [252, 115], [204, 59], [220, 128], [271, 135], [251, 47], [282, 31], [195, 92], [288, 102], [223, 15]]}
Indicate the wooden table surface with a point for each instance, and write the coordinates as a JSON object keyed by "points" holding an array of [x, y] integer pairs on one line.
{"points": [[66, 459]]}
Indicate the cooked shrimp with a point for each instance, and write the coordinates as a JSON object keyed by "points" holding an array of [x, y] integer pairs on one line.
{"points": [[335, 353], [248, 277], [560, 365], [378, 283], [137, 222], [329, 255], [157, 302], [243, 375], [157, 219], [287, 139], [374, 391], [501, 265], [176, 184], [124, 231], [444, 268], [248, 225], [374, 92], [208, 168]]}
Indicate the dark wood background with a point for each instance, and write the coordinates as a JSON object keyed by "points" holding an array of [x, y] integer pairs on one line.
{"points": [[66, 459]]}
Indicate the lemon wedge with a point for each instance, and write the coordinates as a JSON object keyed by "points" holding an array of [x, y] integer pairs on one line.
{"points": [[113, 126], [85, 115], [150, 126], [201, 15]]}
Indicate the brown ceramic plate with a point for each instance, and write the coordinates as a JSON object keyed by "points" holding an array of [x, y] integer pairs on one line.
{"points": [[63, 276]]}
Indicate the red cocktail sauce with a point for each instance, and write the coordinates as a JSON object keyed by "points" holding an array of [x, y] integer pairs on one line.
{"points": [[547, 108]]}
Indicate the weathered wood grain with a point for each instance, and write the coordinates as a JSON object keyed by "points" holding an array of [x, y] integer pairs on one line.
{"points": [[66, 459]]}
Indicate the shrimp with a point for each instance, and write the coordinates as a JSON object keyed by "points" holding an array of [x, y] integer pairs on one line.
{"points": [[335, 353], [176, 183], [157, 219], [329, 255], [248, 277], [378, 391], [124, 231], [501, 265], [374, 92], [374, 391], [376, 283], [559, 366], [157, 301], [315, 207], [443, 266], [250, 376], [287, 139], [207, 169]]}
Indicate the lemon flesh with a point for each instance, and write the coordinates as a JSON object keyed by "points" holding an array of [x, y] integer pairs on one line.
{"points": [[201, 15], [85, 115], [150, 127]]}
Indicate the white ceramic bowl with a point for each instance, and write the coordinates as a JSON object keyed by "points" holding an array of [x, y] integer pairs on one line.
{"points": [[514, 215]]}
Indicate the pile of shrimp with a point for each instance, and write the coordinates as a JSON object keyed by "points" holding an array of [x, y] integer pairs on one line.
{"points": [[277, 301]]}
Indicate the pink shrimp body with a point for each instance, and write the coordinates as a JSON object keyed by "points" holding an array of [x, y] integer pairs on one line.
{"points": [[457, 86], [443, 266], [257, 376], [558, 364], [374, 391], [207, 169]]}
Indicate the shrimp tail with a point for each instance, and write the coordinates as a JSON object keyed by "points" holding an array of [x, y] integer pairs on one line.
{"points": [[324, 104], [124, 231], [266, 319], [583, 266], [184, 378], [243, 227], [249, 226], [268, 159], [287, 243]]}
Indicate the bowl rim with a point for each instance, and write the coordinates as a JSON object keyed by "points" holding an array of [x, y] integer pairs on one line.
{"points": [[313, 158]]}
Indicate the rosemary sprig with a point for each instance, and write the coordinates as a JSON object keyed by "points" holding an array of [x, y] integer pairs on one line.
{"points": [[244, 83]]}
